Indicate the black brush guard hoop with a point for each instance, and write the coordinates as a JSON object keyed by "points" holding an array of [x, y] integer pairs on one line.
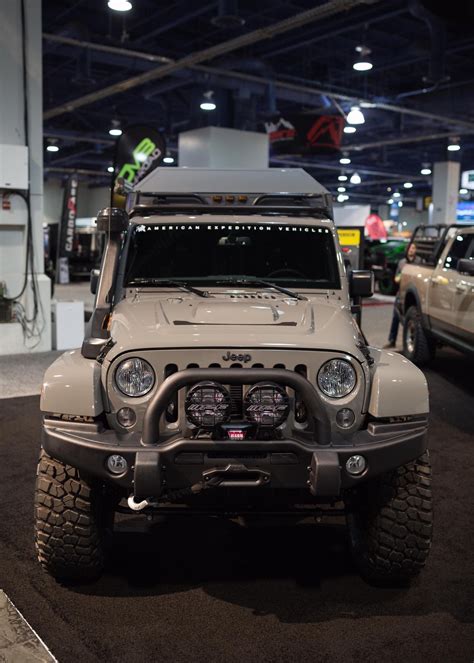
{"points": [[167, 390]]}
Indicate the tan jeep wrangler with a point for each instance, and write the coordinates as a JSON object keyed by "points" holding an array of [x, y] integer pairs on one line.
{"points": [[225, 374], [436, 296]]}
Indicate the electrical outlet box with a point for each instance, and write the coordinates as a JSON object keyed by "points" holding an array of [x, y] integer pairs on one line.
{"points": [[14, 167]]}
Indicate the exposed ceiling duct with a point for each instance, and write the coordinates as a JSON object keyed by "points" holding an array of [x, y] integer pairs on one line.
{"points": [[311, 15]]}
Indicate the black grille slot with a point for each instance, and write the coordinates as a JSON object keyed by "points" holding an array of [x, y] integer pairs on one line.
{"points": [[301, 414], [171, 414], [241, 455], [236, 400]]}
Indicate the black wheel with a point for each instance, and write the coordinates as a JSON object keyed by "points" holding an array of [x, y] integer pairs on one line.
{"points": [[387, 285], [390, 524], [71, 518], [417, 345]]}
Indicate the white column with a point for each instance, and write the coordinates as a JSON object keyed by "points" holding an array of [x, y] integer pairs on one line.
{"points": [[15, 92], [445, 192]]}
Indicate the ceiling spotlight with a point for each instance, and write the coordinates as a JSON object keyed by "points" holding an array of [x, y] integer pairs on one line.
{"points": [[453, 145], [408, 185], [390, 201], [397, 194], [110, 169], [355, 178], [355, 116], [115, 129], [363, 62], [52, 147], [426, 170], [344, 160], [168, 159], [400, 204], [119, 5], [341, 189], [340, 198], [463, 192], [208, 104], [389, 188], [350, 130], [342, 178]]}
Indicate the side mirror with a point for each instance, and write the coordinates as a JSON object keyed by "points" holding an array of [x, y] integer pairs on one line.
{"points": [[466, 266], [95, 273], [361, 283], [112, 219]]}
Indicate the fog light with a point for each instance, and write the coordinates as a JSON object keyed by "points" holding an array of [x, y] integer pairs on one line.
{"points": [[356, 465], [126, 417], [345, 418], [116, 464]]}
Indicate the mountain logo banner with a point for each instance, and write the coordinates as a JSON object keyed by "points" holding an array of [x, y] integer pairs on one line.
{"points": [[305, 134], [67, 228], [140, 149]]}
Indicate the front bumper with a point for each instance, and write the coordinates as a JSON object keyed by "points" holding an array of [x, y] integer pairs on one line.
{"points": [[288, 465]]}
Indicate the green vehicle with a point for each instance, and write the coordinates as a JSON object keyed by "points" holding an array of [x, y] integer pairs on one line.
{"points": [[383, 258]]}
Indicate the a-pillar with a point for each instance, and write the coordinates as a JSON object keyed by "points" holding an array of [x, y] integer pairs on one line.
{"points": [[21, 88], [445, 192]]}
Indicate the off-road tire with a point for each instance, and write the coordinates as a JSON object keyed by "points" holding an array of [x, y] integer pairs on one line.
{"points": [[418, 347], [390, 523], [387, 285], [69, 524]]}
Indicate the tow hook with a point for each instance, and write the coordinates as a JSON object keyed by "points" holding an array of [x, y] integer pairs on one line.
{"points": [[139, 506]]}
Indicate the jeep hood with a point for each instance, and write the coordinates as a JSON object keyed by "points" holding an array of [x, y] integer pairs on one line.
{"points": [[150, 321]]}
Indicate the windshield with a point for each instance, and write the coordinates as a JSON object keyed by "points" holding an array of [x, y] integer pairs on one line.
{"points": [[296, 256]]}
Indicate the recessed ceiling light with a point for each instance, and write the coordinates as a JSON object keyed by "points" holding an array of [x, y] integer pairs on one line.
{"points": [[463, 192], [397, 194], [341, 189], [52, 148], [119, 5], [168, 159], [110, 169], [342, 178], [363, 62], [408, 185], [344, 160], [208, 104], [350, 130], [390, 201], [425, 171]]}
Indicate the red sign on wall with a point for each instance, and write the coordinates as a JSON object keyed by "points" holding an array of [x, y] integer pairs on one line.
{"points": [[305, 134]]}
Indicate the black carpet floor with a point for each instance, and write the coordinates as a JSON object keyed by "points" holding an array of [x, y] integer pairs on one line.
{"points": [[213, 591]]}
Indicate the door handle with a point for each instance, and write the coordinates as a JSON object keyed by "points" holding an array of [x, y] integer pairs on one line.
{"points": [[439, 280]]}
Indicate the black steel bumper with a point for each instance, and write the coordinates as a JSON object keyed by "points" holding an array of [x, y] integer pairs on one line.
{"points": [[288, 464], [157, 467]]}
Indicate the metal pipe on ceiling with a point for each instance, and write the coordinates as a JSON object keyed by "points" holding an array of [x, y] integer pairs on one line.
{"points": [[352, 168], [403, 140], [79, 138], [278, 84], [314, 14]]}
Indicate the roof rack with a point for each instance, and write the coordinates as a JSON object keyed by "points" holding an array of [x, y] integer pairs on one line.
{"points": [[430, 240], [307, 204]]}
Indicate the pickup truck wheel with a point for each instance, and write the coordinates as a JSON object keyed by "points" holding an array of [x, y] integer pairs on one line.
{"points": [[390, 524], [70, 522], [417, 346]]}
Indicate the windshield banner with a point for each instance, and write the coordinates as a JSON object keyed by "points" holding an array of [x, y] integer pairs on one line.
{"points": [[305, 134], [140, 149], [67, 227]]}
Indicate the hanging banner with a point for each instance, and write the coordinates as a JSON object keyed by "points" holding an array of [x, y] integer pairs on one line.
{"points": [[67, 227], [140, 149], [305, 134]]}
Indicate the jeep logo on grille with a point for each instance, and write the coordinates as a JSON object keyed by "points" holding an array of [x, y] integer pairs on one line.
{"points": [[231, 356]]}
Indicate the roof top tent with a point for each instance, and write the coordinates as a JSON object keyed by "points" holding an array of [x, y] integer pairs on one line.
{"points": [[232, 190]]}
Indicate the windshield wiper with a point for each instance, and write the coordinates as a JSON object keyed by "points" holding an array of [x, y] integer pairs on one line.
{"points": [[182, 285], [265, 284]]}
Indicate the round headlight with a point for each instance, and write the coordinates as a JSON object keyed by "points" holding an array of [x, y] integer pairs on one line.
{"points": [[207, 404], [134, 377], [336, 378], [266, 404]]}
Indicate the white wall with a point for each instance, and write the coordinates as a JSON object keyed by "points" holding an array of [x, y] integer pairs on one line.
{"points": [[89, 201]]}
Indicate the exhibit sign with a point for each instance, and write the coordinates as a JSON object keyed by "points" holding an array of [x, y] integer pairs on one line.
{"points": [[67, 228], [467, 179], [140, 149], [305, 134]]}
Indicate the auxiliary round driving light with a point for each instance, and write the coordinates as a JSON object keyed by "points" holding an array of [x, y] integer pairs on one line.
{"points": [[126, 417], [345, 417], [266, 404], [207, 404], [356, 465], [117, 464]]}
